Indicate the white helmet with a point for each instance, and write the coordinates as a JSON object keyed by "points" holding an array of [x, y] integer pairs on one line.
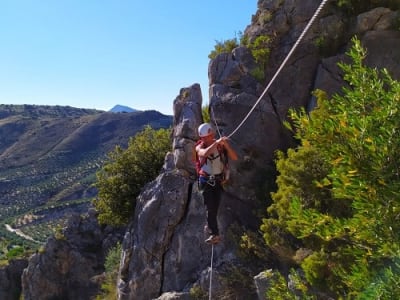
{"points": [[205, 130]]}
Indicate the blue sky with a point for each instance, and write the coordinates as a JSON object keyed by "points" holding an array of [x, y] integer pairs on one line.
{"points": [[99, 53]]}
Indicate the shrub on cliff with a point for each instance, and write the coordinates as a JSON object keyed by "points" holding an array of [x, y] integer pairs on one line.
{"points": [[127, 171], [338, 192]]}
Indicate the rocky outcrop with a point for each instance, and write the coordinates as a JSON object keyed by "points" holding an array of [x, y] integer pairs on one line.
{"points": [[10, 279], [70, 263], [169, 218], [164, 254]]}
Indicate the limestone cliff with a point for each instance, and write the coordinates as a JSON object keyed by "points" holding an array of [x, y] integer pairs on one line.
{"points": [[163, 251]]}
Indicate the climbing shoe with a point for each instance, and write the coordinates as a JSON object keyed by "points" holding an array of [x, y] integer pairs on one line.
{"points": [[213, 239]]}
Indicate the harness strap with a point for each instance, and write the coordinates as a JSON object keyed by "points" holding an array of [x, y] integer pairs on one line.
{"points": [[214, 157], [211, 179]]}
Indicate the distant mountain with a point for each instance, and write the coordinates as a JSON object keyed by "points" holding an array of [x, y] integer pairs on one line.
{"points": [[49, 156], [122, 109]]}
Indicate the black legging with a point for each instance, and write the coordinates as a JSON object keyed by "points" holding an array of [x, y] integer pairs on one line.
{"points": [[212, 198]]}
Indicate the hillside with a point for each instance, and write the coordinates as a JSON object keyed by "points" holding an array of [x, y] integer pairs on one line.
{"points": [[49, 156]]}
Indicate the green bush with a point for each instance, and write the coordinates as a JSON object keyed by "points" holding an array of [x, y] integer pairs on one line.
{"points": [[386, 285], [260, 50], [113, 258], [15, 252], [223, 47], [127, 171], [338, 192], [111, 265], [259, 47], [196, 293], [205, 110], [278, 288]]}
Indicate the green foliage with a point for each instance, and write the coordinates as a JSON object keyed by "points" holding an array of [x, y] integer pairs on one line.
{"points": [[259, 47], [223, 47], [385, 286], [15, 252], [315, 264], [59, 232], [3, 248], [258, 73], [251, 247], [127, 171], [320, 42], [113, 258], [278, 288], [40, 181], [354, 7], [338, 192], [109, 286], [260, 50], [205, 110], [237, 280], [13, 246], [264, 17], [349, 4], [197, 293]]}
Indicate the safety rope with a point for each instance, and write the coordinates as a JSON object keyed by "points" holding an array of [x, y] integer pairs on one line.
{"points": [[283, 64], [320, 7], [211, 270]]}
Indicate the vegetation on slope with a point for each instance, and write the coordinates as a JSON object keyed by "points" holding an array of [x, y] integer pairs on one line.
{"points": [[126, 172], [337, 201], [48, 162]]}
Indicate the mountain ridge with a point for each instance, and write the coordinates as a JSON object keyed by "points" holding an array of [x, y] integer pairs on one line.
{"points": [[49, 155], [122, 109]]}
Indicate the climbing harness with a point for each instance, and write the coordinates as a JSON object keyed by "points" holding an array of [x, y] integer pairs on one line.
{"points": [[211, 270], [283, 64], [211, 180]]}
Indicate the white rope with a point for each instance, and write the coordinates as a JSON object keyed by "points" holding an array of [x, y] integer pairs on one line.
{"points": [[283, 64], [259, 99], [211, 270]]}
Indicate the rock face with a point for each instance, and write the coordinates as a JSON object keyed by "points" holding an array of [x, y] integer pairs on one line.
{"points": [[68, 265], [164, 254], [10, 279]]}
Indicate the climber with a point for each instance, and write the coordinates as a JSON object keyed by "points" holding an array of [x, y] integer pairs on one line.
{"points": [[211, 163]]}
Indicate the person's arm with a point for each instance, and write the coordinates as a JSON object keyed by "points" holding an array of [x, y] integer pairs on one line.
{"points": [[204, 152], [229, 150]]}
